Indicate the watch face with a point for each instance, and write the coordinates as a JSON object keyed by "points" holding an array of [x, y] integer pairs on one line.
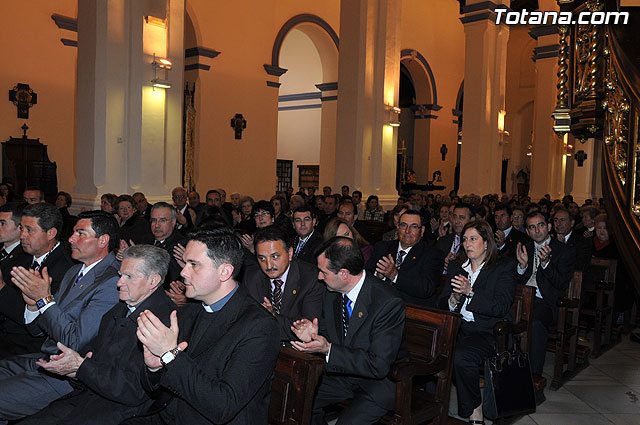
{"points": [[167, 357]]}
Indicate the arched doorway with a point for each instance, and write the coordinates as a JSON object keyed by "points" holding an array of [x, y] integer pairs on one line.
{"points": [[418, 101], [306, 51]]}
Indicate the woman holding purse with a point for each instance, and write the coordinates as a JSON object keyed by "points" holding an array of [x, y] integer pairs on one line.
{"points": [[481, 287]]}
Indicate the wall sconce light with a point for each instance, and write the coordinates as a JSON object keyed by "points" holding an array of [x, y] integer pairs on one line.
{"points": [[393, 118], [501, 131], [160, 63]]}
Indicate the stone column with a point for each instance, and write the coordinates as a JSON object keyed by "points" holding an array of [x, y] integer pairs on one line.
{"points": [[369, 75], [548, 160], [484, 95], [129, 134]]}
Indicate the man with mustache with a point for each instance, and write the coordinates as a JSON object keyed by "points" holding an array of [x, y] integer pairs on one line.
{"points": [[287, 288]]}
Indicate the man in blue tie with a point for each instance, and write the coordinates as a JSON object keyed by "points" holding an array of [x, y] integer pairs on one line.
{"points": [[359, 333]]}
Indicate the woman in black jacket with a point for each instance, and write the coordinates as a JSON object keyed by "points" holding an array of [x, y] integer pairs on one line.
{"points": [[481, 287]]}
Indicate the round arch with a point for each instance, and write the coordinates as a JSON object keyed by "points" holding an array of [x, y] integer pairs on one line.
{"points": [[317, 29], [414, 55]]}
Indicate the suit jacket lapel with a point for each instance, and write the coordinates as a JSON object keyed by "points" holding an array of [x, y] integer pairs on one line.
{"points": [[337, 315], [291, 287], [360, 310], [412, 256]]}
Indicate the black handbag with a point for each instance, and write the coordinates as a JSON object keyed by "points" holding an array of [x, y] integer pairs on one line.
{"points": [[508, 385]]}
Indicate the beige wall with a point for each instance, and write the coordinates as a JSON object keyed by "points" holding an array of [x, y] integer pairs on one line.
{"points": [[519, 101], [439, 37], [244, 32], [32, 53]]}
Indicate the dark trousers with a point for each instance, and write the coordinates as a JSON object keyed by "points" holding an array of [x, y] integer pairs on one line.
{"points": [[362, 410], [540, 326], [473, 346]]}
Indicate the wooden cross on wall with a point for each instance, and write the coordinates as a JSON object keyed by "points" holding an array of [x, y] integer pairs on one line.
{"points": [[580, 156], [238, 123], [24, 98]]}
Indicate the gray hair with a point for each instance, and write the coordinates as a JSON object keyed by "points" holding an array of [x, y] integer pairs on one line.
{"points": [[154, 260], [174, 213]]}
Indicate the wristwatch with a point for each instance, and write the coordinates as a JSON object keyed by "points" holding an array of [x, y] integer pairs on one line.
{"points": [[470, 294], [169, 356], [44, 301]]}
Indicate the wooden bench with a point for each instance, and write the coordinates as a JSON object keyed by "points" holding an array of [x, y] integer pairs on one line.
{"points": [[293, 387], [430, 335], [600, 284], [564, 342]]}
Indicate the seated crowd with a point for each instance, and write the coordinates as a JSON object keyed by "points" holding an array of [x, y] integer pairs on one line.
{"points": [[174, 313]]}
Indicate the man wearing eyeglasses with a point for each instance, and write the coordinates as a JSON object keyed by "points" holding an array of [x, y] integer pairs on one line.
{"points": [[408, 263], [163, 226], [307, 238], [546, 264]]}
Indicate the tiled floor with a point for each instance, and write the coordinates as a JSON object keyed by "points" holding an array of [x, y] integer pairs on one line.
{"points": [[607, 392]]}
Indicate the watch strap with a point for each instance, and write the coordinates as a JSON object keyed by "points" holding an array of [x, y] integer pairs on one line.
{"points": [[44, 301]]}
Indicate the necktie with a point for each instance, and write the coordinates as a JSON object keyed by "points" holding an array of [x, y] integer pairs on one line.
{"points": [[276, 295], [456, 244], [157, 243], [399, 258], [78, 278], [532, 280], [346, 312], [3, 254], [35, 265], [299, 247]]}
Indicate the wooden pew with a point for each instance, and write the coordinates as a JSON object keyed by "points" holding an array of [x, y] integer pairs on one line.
{"points": [[431, 336], [522, 311], [377, 229], [600, 284], [293, 387], [564, 342]]}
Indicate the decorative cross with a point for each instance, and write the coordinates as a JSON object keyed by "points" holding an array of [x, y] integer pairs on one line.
{"points": [[24, 128], [580, 156], [238, 123], [24, 98], [443, 151]]}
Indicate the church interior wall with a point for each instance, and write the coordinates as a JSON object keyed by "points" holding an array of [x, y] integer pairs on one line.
{"points": [[519, 102], [33, 54], [433, 28], [244, 33]]}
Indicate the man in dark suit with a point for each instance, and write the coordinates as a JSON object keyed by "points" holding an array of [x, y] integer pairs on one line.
{"points": [[412, 266], [142, 205], [112, 390], [563, 225], [14, 338], [70, 316], [186, 215], [39, 249], [308, 237], [347, 212], [549, 274], [163, 227], [449, 244], [507, 237], [217, 358], [360, 335], [287, 288]]}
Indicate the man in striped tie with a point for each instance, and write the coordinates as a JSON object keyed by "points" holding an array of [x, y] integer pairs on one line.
{"points": [[286, 287], [359, 334]]}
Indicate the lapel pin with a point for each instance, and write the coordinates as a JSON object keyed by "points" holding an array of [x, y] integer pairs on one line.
{"points": [[295, 292], [413, 258], [359, 315]]}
